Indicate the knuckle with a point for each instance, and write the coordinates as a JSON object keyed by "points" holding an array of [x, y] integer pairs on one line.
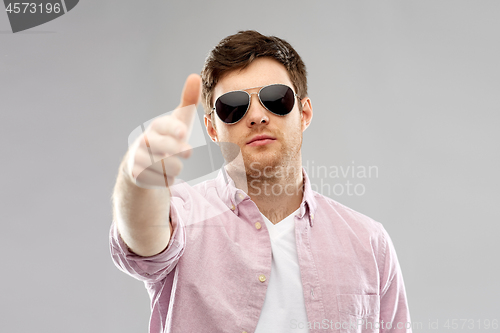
{"points": [[159, 122]]}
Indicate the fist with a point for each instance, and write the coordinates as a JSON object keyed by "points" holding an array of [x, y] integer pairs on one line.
{"points": [[153, 159]]}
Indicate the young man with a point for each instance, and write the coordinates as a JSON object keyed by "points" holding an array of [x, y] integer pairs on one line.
{"points": [[255, 250]]}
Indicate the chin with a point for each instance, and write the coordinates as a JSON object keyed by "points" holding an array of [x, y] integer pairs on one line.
{"points": [[256, 163]]}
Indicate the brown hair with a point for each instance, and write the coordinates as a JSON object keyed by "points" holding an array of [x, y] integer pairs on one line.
{"points": [[237, 51]]}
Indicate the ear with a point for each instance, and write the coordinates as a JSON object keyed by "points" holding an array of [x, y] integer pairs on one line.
{"points": [[307, 112], [212, 132]]}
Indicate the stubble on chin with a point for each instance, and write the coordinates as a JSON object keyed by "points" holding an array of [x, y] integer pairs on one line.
{"points": [[272, 166], [270, 163]]}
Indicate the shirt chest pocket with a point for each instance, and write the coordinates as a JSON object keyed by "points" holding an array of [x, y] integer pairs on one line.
{"points": [[358, 313]]}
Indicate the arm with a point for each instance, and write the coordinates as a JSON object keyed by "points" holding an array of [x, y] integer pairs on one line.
{"points": [[141, 215], [393, 302]]}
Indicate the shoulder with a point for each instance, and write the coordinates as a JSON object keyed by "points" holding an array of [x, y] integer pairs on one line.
{"points": [[332, 212], [344, 223]]}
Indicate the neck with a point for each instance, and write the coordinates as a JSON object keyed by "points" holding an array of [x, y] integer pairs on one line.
{"points": [[277, 191]]}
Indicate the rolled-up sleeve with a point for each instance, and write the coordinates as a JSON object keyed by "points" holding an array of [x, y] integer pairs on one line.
{"points": [[394, 310], [154, 268]]}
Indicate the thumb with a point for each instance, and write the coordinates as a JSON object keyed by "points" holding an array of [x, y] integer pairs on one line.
{"points": [[190, 97], [191, 92]]}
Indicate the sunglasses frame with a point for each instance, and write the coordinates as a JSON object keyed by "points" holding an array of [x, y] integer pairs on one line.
{"points": [[250, 100]]}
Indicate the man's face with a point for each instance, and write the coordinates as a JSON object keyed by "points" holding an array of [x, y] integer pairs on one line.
{"points": [[286, 131]]}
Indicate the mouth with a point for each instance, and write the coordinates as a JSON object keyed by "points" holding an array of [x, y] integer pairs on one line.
{"points": [[260, 140]]}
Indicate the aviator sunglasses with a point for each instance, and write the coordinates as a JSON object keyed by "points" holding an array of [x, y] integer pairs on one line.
{"points": [[232, 106]]}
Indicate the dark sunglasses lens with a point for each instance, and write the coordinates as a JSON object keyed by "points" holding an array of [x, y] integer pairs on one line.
{"points": [[278, 99], [232, 106]]}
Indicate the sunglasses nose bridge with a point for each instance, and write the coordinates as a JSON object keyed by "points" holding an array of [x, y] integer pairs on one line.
{"points": [[253, 93], [256, 111], [259, 101], [258, 96]]}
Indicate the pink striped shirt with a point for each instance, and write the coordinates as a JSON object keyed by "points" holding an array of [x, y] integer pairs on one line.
{"points": [[213, 276]]}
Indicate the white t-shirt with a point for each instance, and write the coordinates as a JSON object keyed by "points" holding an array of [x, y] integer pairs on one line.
{"points": [[284, 304]]}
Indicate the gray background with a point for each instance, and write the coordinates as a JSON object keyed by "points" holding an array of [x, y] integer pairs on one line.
{"points": [[411, 87]]}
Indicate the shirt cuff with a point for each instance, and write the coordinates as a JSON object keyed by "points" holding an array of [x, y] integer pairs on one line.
{"points": [[154, 268]]}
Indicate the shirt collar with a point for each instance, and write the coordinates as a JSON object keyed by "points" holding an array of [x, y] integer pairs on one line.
{"points": [[232, 196]]}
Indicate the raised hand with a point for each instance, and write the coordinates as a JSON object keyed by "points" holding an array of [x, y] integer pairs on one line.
{"points": [[153, 159]]}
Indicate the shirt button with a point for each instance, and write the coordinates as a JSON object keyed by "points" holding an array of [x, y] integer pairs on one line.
{"points": [[262, 278], [257, 225], [241, 196], [312, 216], [232, 207]]}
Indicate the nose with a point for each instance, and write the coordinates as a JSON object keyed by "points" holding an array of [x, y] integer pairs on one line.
{"points": [[256, 113]]}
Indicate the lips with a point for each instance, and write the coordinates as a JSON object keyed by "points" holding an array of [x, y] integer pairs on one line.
{"points": [[261, 137]]}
